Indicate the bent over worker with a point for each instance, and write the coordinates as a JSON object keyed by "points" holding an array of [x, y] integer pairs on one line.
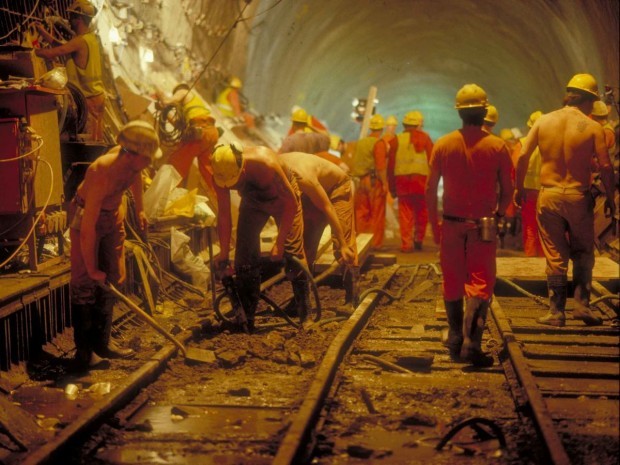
{"points": [[266, 189], [568, 140], [199, 137], [472, 163], [97, 235], [369, 171], [84, 68]]}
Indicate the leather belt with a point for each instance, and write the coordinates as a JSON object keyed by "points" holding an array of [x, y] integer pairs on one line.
{"points": [[458, 219], [565, 190]]}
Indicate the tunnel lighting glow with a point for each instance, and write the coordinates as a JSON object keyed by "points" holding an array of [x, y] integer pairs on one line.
{"points": [[114, 36], [146, 55]]}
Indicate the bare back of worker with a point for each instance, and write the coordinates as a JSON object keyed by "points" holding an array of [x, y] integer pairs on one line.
{"points": [[568, 140], [314, 170]]}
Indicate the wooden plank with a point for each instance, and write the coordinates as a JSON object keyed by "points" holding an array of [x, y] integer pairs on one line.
{"points": [[534, 267], [560, 368], [546, 351], [575, 387], [326, 259], [560, 339], [19, 425]]}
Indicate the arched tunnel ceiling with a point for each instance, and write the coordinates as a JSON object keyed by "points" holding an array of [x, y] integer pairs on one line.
{"points": [[320, 54]]}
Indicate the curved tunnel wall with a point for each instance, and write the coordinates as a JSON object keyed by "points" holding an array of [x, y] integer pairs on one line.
{"points": [[320, 54]]}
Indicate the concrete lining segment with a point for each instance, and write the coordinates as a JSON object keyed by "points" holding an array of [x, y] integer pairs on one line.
{"points": [[298, 436]]}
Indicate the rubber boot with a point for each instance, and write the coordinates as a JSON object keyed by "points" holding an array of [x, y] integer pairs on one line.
{"points": [[104, 345], [452, 338], [301, 297], [248, 289], [582, 282], [83, 332], [473, 326], [557, 302]]}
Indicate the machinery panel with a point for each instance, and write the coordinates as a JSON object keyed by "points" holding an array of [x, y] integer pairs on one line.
{"points": [[13, 199]]}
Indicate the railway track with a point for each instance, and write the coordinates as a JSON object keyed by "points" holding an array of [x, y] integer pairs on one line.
{"points": [[371, 384]]}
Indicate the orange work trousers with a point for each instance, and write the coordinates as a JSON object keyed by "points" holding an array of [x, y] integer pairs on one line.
{"points": [[109, 250], [369, 200], [467, 262], [412, 213]]}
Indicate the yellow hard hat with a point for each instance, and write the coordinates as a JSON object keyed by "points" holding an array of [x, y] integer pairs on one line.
{"points": [[299, 116], [506, 134], [227, 163], [413, 118], [471, 96], [236, 82], [492, 116], [82, 7], [533, 117], [391, 121], [140, 137], [584, 82], [376, 122], [600, 109]]}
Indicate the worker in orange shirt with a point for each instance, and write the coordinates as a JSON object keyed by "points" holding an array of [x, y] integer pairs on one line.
{"points": [[370, 175], [529, 224], [229, 103], [199, 136], [490, 120], [599, 114], [408, 160], [472, 163]]}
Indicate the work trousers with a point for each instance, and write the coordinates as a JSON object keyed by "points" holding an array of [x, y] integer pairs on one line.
{"points": [[315, 221], [253, 215], [467, 262], [412, 213], [110, 237], [370, 197], [566, 225], [94, 120], [529, 223]]}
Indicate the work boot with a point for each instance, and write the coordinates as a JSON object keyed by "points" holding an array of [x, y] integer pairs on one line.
{"points": [[452, 338], [417, 246], [557, 302], [473, 326], [104, 345], [301, 297], [582, 282], [247, 281], [83, 336]]}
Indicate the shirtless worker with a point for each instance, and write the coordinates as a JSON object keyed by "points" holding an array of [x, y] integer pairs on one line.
{"points": [[84, 67], [266, 189], [97, 234], [568, 140], [327, 198]]}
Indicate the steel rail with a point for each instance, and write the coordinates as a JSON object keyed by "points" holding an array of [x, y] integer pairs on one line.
{"points": [[294, 446], [542, 417]]}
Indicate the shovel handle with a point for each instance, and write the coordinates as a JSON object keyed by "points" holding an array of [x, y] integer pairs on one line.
{"points": [[144, 316]]}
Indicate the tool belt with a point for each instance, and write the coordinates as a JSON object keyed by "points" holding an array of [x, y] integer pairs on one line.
{"points": [[487, 226], [458, 219]]}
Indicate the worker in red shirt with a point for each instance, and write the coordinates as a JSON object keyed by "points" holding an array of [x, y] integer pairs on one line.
{"points": [[407, 171], [472, 163], [529, 224], [369, 174]]}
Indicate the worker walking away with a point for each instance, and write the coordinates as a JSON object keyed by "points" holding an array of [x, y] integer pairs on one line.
{"points": [[266, 189], [84, 66], [475, 166], [198, 138], [370, 175], [490, 119], [568, 140], [407, 171], [302, 138], [327, 198], [531, 187], [230, 104], [97, 234]]}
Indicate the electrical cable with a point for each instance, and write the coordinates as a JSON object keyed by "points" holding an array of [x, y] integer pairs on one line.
{"points": [[36, 221], [25, 154]]}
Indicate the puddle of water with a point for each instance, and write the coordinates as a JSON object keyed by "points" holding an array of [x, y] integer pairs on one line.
{"points": [[214, 422]]}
